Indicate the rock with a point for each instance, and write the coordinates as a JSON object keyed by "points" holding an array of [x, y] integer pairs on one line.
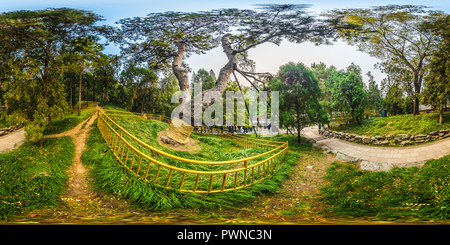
{"points": [[177, 133], [406, 142], [340, 156], [389, 137], [434, 137], [443, 132], [402, 136], [358, 139], [352, 136], [366, 140], [379, 137], [420, 138], [386, 142], [375, 166], [433, 133]]}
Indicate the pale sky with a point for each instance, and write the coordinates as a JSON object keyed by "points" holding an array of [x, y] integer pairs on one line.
{"points": [[268, 57]]}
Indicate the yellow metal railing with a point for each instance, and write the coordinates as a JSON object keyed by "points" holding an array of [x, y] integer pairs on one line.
{"points": [[188, 175]]}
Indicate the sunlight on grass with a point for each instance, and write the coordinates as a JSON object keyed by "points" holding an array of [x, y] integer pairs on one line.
{"points": [[401, 124]]}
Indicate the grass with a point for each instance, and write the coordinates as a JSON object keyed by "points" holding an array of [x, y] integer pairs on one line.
{"points": [[33, 177], [402, 193], [401, 124], [70, 121], [112, 178]]}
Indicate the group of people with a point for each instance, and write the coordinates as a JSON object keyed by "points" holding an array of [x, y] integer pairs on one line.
{"points": [[245, 129]]}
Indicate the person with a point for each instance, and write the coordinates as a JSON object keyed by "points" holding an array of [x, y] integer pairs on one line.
{"points": [[268, 127]]}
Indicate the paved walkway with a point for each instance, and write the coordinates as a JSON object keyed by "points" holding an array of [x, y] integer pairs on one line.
{"points": [[386, 157], [12, 140]]}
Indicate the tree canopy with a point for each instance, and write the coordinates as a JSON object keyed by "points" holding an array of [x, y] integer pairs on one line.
{"points": [[393, 34], [31, 53], [299, 96]]}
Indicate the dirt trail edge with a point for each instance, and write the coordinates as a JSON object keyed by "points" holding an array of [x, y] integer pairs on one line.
{"points": [[78, 188]]}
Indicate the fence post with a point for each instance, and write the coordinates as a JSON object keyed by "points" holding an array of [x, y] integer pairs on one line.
{"points": [[245, 172]]}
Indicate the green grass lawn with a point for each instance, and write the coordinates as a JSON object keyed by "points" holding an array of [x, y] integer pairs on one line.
{"points": [[401, 124], [33, 177], [402, 193]]}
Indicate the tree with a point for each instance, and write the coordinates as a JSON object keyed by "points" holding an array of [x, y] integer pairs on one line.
{"points": [[84, 52], [396, 100], [164, 38], [32, 64], [299, 96], [351, 90], [207, 79], [141, 82], [327, 85], [437, 82], [374, 99], [393, 33], [104, 70]]}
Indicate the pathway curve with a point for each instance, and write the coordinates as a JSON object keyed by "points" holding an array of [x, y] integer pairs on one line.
{"points": [[12, 140], [78, 187], [378, 157]]}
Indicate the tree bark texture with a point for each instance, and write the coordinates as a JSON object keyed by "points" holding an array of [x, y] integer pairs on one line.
{"points": [[183, 132]]}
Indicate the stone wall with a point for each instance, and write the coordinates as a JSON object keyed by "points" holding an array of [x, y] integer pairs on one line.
{"points": [[399, 139], [5, 131]]}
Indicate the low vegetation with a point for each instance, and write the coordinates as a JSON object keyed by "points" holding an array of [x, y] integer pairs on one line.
{"points": [[402, 193], [401, 124], [33, 177]]}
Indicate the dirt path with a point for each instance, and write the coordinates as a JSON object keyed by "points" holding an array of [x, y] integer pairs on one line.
{"points": [[79, 192], [81, 200]]}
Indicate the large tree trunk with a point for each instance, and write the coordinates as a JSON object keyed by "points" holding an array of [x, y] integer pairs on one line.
{"points": [[71, 96], [441, 115], [417, 86], [178, 132], [79, 94]]}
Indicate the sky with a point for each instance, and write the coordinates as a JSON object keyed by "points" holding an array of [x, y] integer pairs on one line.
{"points": [[268, 57]]}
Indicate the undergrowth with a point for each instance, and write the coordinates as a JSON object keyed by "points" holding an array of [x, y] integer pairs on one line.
{"points": [[401, 124], [402, 193], [33, 177]]}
